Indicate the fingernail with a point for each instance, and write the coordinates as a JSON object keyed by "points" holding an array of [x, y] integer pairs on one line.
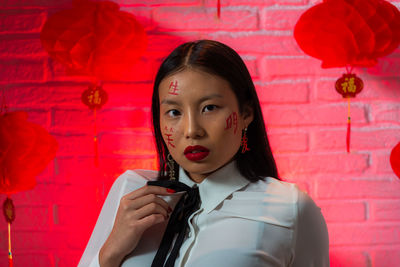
{"points": [[169, 190]]}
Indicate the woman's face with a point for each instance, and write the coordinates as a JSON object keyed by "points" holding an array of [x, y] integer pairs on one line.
{"points": [[200, 121]]}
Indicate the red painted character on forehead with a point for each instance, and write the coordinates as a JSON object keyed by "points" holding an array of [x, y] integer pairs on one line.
{"points": [[173, 88]]}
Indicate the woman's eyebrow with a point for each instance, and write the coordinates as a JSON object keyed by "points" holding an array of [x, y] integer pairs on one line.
{"points": [[204, 98], [208, 97], [169, 102]]}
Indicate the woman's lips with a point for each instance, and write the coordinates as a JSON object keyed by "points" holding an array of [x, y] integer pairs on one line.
{"points": [[196, 153]]}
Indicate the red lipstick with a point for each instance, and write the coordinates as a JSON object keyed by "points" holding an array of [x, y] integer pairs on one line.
{"points": [[196, 153]]}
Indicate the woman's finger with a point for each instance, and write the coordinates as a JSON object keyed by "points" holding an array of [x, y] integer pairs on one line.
{"points": [[147, 199], [148, 189], [150, 220], [149, 209]]}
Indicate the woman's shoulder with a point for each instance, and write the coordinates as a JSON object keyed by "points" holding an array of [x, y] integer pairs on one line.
{"points": [[275, 188], [281, 199]]}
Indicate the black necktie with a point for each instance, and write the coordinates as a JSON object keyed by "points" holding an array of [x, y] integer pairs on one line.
{"points": [[178, 222]]}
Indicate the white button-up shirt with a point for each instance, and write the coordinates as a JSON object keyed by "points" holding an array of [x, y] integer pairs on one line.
{"points": [[239, 224]]}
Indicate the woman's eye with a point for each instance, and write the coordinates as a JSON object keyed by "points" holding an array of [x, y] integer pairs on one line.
{"points": [[209, 108], [173, 113]]}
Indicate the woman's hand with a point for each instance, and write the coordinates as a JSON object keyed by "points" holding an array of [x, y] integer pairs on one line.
{"points": [[137, 211]]}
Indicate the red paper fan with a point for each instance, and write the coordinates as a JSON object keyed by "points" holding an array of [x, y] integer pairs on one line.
{"points": [[349, 32], [94, 38], [25, 150]]}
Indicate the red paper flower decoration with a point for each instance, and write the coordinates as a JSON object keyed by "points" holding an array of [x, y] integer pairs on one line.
{"points": [[94, 38], [395, 160], [25, 150], [349, 32]]}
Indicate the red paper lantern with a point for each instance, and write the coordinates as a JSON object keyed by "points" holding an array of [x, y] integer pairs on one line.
{"points": [[25, 150], [94, 38], [395, 159], [349, 32], [349, 85], [94, 97], [9, 210]]}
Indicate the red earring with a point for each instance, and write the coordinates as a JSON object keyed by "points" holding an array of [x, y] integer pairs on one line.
{"points": [[244, 142]]}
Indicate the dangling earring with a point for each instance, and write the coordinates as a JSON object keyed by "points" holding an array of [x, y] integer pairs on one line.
{"points": [[171, 167], [244, 141]]}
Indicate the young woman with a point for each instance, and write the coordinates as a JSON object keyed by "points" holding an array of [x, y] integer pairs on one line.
{"points": [[228, 208]]}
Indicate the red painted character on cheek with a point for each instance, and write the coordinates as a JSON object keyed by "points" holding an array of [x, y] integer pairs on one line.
{"points": [[168, 130], [168, 135], [232, 120]]}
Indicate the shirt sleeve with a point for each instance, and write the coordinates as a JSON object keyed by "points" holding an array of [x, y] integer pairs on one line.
{"points": [[312, 240]]}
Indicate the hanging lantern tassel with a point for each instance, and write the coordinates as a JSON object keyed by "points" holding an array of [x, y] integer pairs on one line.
{"points": [[219, 9], [9, 215], [348, 126], [349, 85], [95, 140], [95, 97]]}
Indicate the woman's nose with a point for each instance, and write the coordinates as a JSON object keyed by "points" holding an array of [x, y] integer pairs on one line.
{"points": [[192, 127]]}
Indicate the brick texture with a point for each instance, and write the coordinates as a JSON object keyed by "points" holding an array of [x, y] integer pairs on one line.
{"points": [[386, 257], [344, 211], [19, 70], [276, 18], [282, 142], [349, 258], [364, 234], [306, 118], [276, 92], [353, 189], [197, 18], [292, 115], [385, 210], [20, 20]]}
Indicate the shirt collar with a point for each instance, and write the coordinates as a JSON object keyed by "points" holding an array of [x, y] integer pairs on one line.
{"points": [[218, 186]]}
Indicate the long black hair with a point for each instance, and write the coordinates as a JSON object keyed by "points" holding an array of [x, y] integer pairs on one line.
{"points": [[219, 59]]}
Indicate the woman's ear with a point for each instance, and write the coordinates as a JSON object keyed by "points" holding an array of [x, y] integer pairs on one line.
{"points": [[248, 114]]}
